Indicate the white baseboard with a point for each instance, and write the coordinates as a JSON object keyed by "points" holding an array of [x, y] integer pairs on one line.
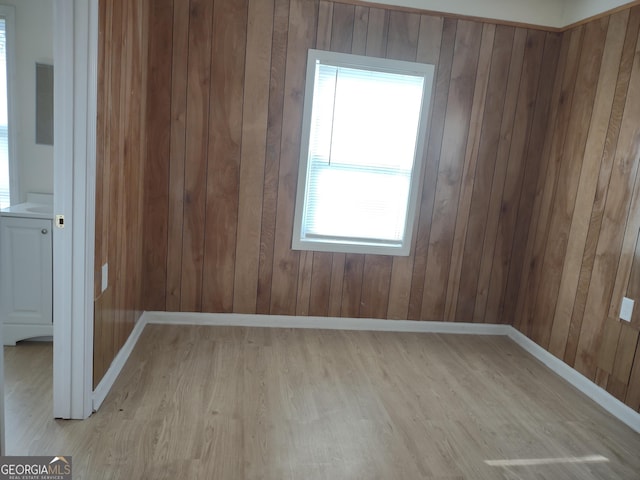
{"points": [[603, 398], [104, 387], [599, 395], [323, 323]]}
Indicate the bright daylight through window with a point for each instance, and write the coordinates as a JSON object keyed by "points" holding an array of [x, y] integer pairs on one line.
{"points": [[4, 119], [364, 129]]}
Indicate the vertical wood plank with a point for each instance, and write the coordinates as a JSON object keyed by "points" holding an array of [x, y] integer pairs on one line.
{"points": [[272, 154], [536, 164], [625, 353], [488, 148], [121, 152], [469, 169], [321, 284], [465, 62], [101, 146], [352, 285], [500, 172], [377, 32], [569, 175], [158, 123], [319, 296], [606, 167], [325, 23], [590, 170], [621, 184], [375, 286], [302, 34], [360, 28], [428, 51], [565, 81], [304, 283], [433, 154], [337, 282], [195, 164], [223, 169], [252, 160], [402, 40], [516, 170], [342, 27], [632, 397], [178, 148]]}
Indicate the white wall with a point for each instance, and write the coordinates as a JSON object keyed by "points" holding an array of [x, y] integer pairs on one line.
{"points": [[577, 10], [536, 12], [34, 43], [548, 13]]}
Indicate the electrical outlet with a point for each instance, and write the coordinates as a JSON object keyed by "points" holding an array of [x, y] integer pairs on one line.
{"points": [[105, 276], [626, 309]]}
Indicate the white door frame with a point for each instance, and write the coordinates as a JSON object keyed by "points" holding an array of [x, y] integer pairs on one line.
{"points": [[75, 93]]}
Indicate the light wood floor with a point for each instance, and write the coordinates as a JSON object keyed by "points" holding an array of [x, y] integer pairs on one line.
{"points": [[234, 403]]}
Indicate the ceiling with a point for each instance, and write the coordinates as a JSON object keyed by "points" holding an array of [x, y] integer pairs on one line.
{"points": [[548, 13]]}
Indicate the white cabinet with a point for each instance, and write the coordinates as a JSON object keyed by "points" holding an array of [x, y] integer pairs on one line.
{"points": [[26, 273]]}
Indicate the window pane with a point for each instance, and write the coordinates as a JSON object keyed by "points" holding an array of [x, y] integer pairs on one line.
{"points": [[361, 153], [353, 203], [4, 120]]}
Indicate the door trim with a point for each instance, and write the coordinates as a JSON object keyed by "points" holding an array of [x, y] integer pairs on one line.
{"points": [[75, 93]]}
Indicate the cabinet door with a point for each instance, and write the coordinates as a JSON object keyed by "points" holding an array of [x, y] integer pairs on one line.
{"points": [[26, 264]]}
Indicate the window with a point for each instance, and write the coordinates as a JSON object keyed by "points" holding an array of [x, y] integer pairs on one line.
{"points": [[363, 132], [6, 147]]}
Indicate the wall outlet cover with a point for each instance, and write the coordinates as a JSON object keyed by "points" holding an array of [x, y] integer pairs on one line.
{"points": [[626, 309], [105, 276]]}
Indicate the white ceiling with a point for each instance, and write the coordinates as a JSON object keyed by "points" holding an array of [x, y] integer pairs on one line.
{"points": [[548, 13]]}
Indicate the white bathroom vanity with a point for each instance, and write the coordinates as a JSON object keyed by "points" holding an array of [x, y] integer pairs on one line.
{"points": [[26, 270]]}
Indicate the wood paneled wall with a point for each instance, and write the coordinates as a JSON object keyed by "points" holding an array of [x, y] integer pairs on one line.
{"points": [[121, 150], [530, 205], [227, 88], [582, 253]]}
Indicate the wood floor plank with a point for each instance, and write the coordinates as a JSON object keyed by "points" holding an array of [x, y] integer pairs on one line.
{"points": [[228, 402]]}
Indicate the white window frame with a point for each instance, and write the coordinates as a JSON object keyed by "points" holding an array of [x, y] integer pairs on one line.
{"points": [[374, 64], [8, 12]]}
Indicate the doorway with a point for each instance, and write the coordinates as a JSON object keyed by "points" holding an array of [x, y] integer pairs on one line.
{"points": [[75, 95]]}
